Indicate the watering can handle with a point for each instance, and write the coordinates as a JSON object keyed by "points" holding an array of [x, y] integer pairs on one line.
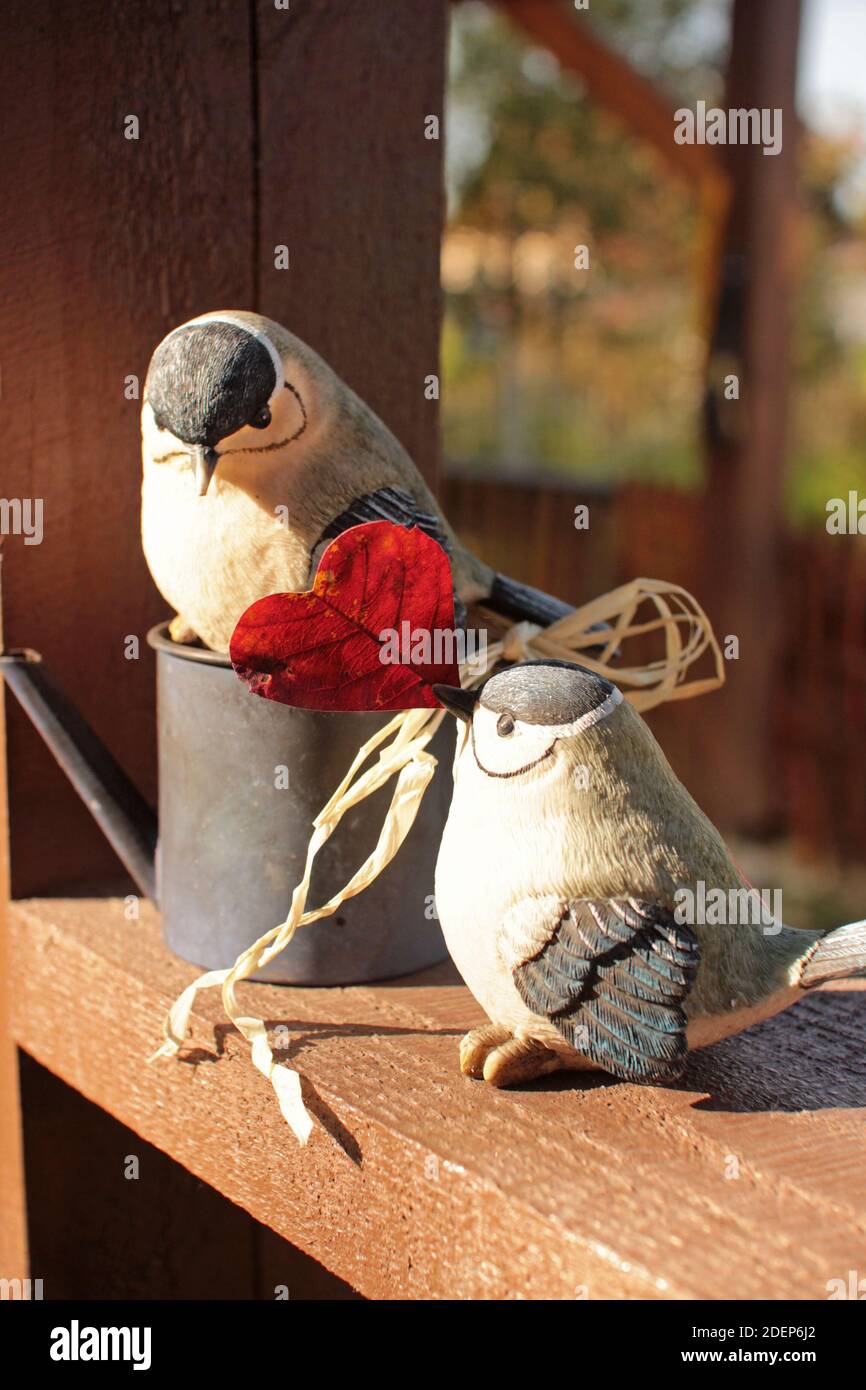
{"points": [[121, 812]]}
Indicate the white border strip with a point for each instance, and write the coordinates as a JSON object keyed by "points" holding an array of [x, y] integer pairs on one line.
{"points": [[586, 721]]}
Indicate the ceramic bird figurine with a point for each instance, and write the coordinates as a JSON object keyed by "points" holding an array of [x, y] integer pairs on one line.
{"points": [[255, 455], [569, 852]]}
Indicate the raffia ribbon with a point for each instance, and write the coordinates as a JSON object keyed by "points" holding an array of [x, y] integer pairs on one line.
{"points": [[402, 745]]}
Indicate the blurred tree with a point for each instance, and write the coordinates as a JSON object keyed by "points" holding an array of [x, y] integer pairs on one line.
{"points": [[593, 372], [597, 374], [828, 434]]}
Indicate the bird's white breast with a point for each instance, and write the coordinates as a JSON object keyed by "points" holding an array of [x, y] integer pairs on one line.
{"points": [[213, 556], [490, 861]]}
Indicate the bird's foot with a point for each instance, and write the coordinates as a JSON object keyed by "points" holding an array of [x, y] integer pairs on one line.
{"points": [[502, 1060], [179, 630], [478, 1045]]}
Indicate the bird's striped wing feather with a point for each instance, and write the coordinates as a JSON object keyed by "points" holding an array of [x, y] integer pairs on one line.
{"points": [[613, 978], [388, 504]]}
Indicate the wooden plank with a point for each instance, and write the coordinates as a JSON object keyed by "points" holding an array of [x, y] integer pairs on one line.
{"points": [[106, 244], [147, 1228], [13, 1206], [746, 1181], [117, 1219], [352, 187]]}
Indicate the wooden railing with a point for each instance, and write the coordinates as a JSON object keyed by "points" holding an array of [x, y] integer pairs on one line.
{"points": [[816, 759]]}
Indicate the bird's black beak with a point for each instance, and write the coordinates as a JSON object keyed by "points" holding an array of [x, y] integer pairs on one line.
{"points": [[204, 461], [460, 702]]}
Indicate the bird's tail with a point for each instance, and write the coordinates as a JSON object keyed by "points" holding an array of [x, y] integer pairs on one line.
{"points": [[838, 955]]}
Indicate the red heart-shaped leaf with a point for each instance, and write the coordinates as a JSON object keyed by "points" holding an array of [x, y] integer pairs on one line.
{"points": [[323, 649]]}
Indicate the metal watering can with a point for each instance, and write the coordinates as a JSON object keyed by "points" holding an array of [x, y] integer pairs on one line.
{"points": [[232, 837]]}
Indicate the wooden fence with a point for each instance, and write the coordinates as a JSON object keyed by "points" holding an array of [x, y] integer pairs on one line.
{"points": [[815, 761]]}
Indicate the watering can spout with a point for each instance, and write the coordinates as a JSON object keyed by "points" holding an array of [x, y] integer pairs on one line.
{"points": [[121, 812]]}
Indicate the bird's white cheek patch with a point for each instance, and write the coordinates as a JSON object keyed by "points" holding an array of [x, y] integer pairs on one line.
{"points": [[290, 412], [528, 746]]}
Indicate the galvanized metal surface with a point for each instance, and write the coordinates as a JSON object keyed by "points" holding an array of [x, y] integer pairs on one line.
{"points": [[233, 841]]}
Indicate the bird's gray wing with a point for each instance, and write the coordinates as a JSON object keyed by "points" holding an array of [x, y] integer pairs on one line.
{"points": [[388, 504], [612, 976]]}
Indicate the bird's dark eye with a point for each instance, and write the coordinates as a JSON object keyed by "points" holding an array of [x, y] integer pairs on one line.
{"points": [[261, 420], [505, 725]]}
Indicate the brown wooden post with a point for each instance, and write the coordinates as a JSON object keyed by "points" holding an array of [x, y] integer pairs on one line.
{"points": [[746, 438], [351, 182], [107, 242], [258, 127]]}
